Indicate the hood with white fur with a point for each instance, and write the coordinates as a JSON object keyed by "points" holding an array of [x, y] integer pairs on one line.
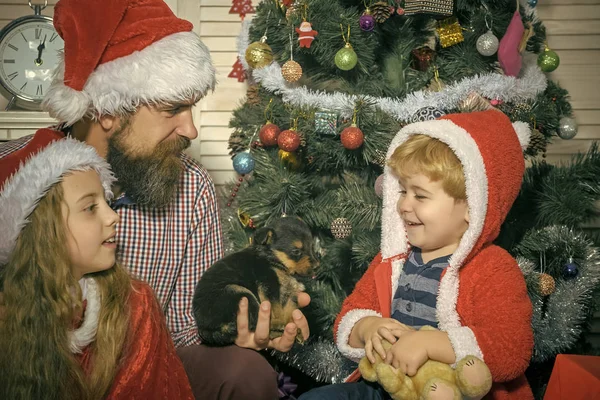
{"points": [[490, 149]]}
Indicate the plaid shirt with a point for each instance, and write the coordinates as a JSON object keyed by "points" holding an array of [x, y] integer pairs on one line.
{"points": [[169, 248]]}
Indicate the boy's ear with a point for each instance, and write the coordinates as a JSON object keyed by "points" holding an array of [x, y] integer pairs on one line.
{"points": [[263, 236]]}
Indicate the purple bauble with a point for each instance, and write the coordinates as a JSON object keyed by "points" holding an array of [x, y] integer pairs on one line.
{"points": [[366, 22]]}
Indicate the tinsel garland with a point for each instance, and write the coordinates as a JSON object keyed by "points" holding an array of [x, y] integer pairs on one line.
{"points": [[558, 319], [491, 86], [319, 359]]}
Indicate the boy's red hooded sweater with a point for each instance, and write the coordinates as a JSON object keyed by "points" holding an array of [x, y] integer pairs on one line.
{"points": [[482, 301]]}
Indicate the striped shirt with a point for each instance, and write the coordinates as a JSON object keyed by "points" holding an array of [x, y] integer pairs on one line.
{"points": [[416, 297], [169, 248]]}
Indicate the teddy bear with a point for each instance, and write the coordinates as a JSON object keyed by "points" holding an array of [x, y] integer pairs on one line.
{"points": [[471, 379]]}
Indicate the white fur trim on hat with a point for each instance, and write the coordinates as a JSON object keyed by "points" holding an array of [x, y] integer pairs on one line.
{"points": [[86, 333], [174, 69], [523, 133], [345, 328], [21, 192], [394, 239], [476, 183]]}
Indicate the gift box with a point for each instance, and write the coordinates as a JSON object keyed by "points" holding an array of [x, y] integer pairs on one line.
{"points": [[574, 377]]}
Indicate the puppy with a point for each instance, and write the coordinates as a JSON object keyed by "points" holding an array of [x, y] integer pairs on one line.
{"points": [[261, 271]]}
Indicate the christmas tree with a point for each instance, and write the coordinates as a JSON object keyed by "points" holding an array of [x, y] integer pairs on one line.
{"points": [[334, 81]]}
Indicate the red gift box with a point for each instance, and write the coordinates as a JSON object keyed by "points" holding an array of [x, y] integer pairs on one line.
{"points": [[574, 378]]}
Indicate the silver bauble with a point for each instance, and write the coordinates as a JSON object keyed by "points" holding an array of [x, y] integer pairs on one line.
{"points": [[487, 44], [567, 128]]}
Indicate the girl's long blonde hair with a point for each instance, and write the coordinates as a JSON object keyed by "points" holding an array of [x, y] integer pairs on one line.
{"points": [[37, 284]]}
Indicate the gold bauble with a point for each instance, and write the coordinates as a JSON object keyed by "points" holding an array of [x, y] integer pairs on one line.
{"points": [[290, 159], [291, 71], [259, 54]]}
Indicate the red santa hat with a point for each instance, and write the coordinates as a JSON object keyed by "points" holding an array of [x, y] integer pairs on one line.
{"points": [[27, 174], [120, 54]]}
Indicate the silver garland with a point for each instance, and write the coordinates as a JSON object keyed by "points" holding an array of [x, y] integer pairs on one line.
{"points": [[493, 86], [558, 318], [320, 359]]}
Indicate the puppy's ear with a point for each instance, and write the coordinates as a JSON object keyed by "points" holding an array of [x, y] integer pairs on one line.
{"points": [[263, 236]]}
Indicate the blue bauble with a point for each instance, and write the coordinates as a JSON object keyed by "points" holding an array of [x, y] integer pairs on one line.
{"points": [[570, 270], [532, 3], [427, 113], [243, 163]]}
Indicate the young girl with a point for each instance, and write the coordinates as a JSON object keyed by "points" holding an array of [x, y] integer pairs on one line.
{"points": [[74, 326]]}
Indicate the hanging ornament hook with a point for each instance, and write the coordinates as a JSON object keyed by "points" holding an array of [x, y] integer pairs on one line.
{"points": [[346, 38], [488, 20], [269, 109]]}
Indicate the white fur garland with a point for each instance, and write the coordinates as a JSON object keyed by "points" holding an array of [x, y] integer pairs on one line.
{"points": [[491, 85]]}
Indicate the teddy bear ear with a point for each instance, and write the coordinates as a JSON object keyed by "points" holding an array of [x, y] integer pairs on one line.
{"points": [[263, 236]]}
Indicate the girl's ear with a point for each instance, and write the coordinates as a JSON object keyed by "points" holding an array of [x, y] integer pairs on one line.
{"points": [[263, 236]]}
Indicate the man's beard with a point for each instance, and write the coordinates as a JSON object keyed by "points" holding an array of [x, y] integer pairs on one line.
{"points": [[149, 180]]}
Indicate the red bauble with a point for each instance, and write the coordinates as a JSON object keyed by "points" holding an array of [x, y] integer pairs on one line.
{"points": [[288, 140], [268, 134], [352, 137]]}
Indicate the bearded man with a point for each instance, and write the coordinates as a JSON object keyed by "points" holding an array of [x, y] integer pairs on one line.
{"points": [[131, 73]]}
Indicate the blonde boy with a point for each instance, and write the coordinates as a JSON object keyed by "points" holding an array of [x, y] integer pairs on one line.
{"points": [[448, 187]]}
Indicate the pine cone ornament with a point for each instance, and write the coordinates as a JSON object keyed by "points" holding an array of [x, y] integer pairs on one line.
{"points": [[547, 285], [379, 158], [341, 228], [522, 111], [380, 11], [236, 144], [474, 102], [537, 143], [252, 96]]}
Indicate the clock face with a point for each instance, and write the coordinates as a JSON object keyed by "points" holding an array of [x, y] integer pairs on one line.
{"points": [[28, 57]]}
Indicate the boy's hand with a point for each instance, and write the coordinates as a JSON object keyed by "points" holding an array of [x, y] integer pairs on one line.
{"points": [[259, 339], [408, 353], [371, 331]]}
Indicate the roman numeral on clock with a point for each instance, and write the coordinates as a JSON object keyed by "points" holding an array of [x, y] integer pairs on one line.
{"points": [[38, 33], [23, 87], [39, 91], [53, 37], [12, 46], [13, 75], [8, 61]]}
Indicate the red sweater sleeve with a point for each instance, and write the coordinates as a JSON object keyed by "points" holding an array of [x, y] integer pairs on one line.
{"points": [[364, 295], [501, 315], [151, 368]]}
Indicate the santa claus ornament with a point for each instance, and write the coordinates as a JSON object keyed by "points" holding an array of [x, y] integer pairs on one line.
{"points": [[306, 34]]}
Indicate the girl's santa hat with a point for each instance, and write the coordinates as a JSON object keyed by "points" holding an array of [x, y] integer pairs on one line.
{"points": [[27, 174], [120, 54]]}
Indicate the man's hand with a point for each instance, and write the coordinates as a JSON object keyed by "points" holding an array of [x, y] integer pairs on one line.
{"points": [[259, 339], [372, 330]]}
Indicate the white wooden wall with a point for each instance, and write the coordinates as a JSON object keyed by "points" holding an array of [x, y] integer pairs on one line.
{"points": [[573, 31]]}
